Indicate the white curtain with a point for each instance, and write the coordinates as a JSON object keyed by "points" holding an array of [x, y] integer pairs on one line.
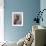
{"points": [[1, 20]]}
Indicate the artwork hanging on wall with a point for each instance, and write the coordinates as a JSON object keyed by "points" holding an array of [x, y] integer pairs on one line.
{"points": [[17, 18]]}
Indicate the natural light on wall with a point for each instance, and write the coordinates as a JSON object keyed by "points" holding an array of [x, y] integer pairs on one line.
{"points": [[1, 20]]}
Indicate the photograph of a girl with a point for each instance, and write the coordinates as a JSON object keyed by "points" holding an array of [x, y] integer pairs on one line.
{"points": [[17, 18]]}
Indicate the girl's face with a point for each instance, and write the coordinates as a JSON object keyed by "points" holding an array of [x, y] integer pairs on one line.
{"points": [[16, 17]]}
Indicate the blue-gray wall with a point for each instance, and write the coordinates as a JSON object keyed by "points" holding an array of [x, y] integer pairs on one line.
{"points": [[29, 8], [43, 6]]}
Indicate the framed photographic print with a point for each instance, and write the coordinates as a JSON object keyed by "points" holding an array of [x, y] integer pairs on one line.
{"points": [[17, 18]]}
